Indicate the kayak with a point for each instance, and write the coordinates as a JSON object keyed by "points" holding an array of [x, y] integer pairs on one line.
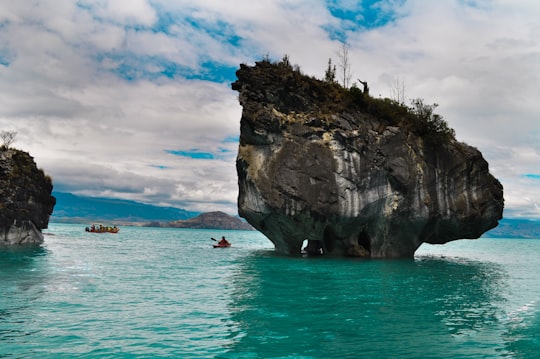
{"points": [[222, 245]]}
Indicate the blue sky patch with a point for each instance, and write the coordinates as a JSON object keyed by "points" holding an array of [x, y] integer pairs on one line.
{"points": [[232, 139], [132, 68], [215, 72], [360, 15], [165, 20], [5, 56], [193, 153], [531, 176], [4, 61], [224, 151], [219, 30]]}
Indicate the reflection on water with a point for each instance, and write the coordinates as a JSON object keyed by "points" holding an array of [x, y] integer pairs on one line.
{"points": [[324, 308], [22, 265], [22, 276], [13, 256]]}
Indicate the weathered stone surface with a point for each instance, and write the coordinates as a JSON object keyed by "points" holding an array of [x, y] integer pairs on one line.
{"points": [[311, 167], [212, 220], [25, 198]]}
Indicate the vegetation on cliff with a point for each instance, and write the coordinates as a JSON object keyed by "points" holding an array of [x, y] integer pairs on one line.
{"points": [[299, 92]]}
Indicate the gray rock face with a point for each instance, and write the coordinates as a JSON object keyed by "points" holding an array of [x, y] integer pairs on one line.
{"points": [[353, 184], [25, 198], [24, 232]]}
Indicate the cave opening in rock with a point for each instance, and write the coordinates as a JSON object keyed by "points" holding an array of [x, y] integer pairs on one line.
{"points": [[312, 247], [364, 240], [329, 239]]}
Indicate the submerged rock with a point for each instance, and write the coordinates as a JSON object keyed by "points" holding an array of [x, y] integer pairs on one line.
{"points": [[355, 176], [25, 198]]}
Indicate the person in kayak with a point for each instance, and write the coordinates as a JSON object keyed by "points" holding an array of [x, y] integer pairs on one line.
{"points": [[224, 242]]}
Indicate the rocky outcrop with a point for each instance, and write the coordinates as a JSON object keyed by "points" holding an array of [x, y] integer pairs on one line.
{"points": [[212, 220], [25, 198], [355, 176]]}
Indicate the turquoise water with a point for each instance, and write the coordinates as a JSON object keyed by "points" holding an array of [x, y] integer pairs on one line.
{"points": [[155, 292]]}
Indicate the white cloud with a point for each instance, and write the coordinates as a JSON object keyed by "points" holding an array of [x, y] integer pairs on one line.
{"points": [[134, 13], [83, 84]]}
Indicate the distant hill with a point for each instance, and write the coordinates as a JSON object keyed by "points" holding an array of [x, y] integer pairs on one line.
{"points": [[81, 209], [515, 228], [209, 220]]}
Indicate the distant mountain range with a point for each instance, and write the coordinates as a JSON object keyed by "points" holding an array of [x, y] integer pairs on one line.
{"points": [[80, 209], [515, 228], [71, 208]]}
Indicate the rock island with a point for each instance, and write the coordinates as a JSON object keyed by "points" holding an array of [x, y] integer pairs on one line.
{"points": [[26, 202], [353, 175]]}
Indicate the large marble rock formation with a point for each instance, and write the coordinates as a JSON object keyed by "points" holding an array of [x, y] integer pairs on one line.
{"points": [[25, 198], [336, 167]]}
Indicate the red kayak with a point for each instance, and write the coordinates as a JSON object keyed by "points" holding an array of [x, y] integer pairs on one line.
{"points": [[222, 245]]}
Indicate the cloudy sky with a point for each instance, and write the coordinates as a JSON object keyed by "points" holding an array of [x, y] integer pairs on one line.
{"points": [[132, 99]]}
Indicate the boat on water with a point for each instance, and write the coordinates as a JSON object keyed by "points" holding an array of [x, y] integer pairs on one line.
{"points": [[99, 228], [223, 243]]}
